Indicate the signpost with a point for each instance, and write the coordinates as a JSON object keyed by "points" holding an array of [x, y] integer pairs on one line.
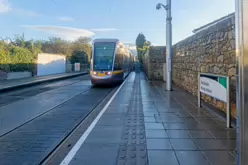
{"points": [[217, 87], [77, 67]]}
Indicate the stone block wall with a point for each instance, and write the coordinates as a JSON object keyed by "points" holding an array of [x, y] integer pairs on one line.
{"points": [[153, 62], [211, 50]]}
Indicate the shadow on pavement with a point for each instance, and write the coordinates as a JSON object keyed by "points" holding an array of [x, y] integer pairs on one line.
{"points": [[113, 85]]}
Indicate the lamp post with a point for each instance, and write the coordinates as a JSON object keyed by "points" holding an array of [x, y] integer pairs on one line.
{"points": [[167, 7], [241, 22]]}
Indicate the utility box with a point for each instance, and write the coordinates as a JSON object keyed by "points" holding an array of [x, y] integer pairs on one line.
{"points": [[77, 67]]}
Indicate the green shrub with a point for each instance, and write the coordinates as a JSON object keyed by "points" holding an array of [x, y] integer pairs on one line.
{"points": [[21, 59], [4, 57], [79, 56], [16, 59]]}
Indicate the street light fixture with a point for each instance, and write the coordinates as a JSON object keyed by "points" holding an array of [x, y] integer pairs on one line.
{"points": [[167, 7]]}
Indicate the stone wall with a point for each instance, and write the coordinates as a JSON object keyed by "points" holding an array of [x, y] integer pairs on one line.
{"points": [[153, 62], [211, 50]]}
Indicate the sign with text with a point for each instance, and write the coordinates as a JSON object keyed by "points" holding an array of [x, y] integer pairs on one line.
{"points": [[217, 87], [77, 67], [214, 86]]}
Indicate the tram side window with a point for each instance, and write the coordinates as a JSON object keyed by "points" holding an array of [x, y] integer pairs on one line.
{"points": [[118, 62]]}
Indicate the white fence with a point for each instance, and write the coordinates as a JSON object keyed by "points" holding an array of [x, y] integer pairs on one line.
{"points": [[48, 64]]}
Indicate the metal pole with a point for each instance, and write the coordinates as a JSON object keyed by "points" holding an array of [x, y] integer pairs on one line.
{"points": [[199, 91], [168, 45], [228, 105], [241, 22]]}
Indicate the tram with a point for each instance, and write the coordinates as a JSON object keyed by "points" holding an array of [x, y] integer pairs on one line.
{"points": [[111, 61]]}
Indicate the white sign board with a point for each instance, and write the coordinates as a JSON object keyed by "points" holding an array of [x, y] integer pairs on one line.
{"points": [[216, 87], [77, 67], [213, 88]]}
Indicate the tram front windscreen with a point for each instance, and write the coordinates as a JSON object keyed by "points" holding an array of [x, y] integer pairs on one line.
{"points": [[103, 56]]}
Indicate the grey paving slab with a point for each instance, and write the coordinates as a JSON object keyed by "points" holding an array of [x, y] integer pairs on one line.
{"points": [[226, 134], [150, 110], [189, 120], [219, 157], [167, 118], [183, 144], [190, 130], [179, 126], [162, 157], [199, 114], [198, 134], [119, 110], [158, 144], [178, 134], [209, 144], [207, 121], [105, 134], [156, 134], [191, 158], [149, 119], [90, 154], [183, 114], [109, 120], [154, 126], [230, 144], [122, 124], [150, 113]]}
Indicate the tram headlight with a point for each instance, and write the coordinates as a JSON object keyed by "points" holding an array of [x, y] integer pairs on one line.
{"points": [[109, 73], [94, 73]]}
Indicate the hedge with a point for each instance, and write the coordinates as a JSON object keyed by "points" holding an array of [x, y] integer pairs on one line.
{"points": [[17, 59]]}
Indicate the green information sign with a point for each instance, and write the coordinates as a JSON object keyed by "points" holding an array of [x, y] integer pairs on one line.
{"points": [[223, 81]]}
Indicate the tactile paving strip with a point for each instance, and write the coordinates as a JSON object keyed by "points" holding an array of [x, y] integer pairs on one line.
{"points": [[133, 151]]}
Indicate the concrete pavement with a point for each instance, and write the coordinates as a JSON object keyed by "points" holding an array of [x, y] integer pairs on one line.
{"points": [[144, 124], [26, 82]]}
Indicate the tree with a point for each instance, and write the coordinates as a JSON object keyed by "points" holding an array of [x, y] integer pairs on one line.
{"points": [[83, 40], [79, 56], [140, 40], [19, 40], [83, 44], [142, 45], [57, 45]]}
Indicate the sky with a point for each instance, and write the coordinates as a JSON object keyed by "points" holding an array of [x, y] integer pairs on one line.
{"points": [[122, 19]]}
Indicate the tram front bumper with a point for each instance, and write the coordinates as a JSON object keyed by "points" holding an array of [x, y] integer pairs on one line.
{"points": [[106, 79]]}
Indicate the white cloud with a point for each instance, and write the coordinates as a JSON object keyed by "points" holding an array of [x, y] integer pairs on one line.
{"points": [[67, 19], [67, 33], [154, 44], [132, 47], [104, 29], [25, 12], [4, 6]]}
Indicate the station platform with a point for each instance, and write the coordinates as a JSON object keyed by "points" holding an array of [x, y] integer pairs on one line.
{"points": [[6, 85], [143, 124]]}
